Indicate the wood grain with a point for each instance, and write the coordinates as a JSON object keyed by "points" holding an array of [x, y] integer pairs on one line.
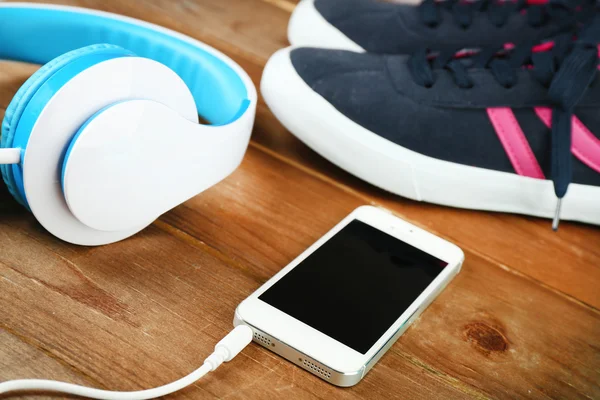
{"points": [[520, 321]]}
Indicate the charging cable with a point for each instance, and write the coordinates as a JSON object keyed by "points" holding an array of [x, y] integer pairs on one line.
{"points": [[10, 156], [225, 351]]}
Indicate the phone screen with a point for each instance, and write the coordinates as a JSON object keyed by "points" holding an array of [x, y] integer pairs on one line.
{"points": [[356, 285]]}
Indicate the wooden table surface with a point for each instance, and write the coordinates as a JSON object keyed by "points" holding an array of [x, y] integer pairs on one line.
{"points": [[521, 320]]}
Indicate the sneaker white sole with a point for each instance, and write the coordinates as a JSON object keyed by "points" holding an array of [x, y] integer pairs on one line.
{"points": [[402, 171], [308, 28]]}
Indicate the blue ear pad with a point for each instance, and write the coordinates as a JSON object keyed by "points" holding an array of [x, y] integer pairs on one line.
{"points": [[29, 101], [40, 33]]}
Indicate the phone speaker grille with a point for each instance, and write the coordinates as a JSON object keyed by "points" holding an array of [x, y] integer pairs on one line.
{"points": [[316, 369], [265, 341]]}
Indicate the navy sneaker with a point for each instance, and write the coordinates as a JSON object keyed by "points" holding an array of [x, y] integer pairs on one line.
{"points": [[494, 131], [378, 27]]}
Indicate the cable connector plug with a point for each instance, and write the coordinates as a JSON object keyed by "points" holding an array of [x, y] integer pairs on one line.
{"points": [[230, 346]]}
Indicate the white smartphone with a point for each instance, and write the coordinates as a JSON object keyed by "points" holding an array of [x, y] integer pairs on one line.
{"points": [[340, 305]]}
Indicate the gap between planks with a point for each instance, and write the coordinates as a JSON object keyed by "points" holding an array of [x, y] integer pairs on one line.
{"points": [[282, 4]]}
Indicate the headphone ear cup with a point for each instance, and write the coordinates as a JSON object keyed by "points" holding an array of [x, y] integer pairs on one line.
{"points": [[12, 174], [53, 118]]}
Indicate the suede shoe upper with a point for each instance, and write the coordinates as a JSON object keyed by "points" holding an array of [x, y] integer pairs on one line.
{"points": [[444, 121], [381, 27]]}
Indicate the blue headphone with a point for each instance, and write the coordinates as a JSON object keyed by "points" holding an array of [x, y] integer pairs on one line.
{"points": [[104, 138]]}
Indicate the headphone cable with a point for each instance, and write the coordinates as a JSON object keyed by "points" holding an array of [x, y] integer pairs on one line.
{"points": [[225, 351], [10, 156]]}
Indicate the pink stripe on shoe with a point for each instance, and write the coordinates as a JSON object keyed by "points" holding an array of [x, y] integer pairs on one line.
{"points": [[515, 143], [585, 146]]}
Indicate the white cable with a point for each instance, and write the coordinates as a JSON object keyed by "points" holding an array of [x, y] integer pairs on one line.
{"points": [[10, 156], [225, 351]]}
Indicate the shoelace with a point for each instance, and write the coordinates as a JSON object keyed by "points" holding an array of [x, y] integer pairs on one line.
{"points": [[567, 70], [498, 12]]}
